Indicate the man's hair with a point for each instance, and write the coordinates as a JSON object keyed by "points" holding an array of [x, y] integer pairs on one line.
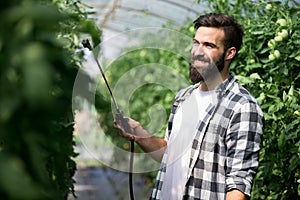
{"points": [[233, 31]]}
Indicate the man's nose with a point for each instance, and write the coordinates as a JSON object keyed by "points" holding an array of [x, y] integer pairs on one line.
{"points": [[199, 50]]}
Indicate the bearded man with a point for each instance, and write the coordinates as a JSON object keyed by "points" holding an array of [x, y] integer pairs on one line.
{"points": [[211, 147]]}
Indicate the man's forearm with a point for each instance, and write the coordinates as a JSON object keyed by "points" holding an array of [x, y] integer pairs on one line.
{"points": [[235, 195], [150, 144]]}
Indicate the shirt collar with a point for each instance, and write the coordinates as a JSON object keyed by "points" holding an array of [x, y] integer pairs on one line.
{"points": [[225, 86], [220, 90]]}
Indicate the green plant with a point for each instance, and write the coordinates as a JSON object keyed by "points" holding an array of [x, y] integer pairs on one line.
{"points": [[38, 40]]}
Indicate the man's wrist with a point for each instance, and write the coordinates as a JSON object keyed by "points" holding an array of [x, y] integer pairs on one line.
{"points": [[140, 133]]}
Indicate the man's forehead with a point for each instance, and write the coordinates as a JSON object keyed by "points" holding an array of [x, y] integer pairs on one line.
{"points": [[211, 34]]}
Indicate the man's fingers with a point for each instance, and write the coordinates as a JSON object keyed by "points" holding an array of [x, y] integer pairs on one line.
{"points": [[125, 135], [118, 126], [129, 137]]}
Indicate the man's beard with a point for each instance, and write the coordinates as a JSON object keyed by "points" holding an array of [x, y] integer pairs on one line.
{"points": [[208, 72]]}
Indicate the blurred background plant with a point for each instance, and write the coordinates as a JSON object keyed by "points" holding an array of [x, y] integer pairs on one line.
{"points": [[40, 56]]}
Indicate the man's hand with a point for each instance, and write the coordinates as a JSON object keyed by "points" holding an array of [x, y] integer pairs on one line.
{"points": [[132, 124], [150, 144]]}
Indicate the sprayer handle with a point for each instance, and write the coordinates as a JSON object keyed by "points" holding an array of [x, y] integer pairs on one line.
{"points": [[121, 120]]}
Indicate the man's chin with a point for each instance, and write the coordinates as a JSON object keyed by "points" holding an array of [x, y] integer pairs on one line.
{"points": [[196, 80], [195, 77]]}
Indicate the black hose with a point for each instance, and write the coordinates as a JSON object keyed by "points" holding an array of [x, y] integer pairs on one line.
{"points": [[131, 170]]}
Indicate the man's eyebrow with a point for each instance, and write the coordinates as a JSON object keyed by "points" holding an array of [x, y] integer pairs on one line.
{"points": [[210, 44], [206, 43], [194, 40]]}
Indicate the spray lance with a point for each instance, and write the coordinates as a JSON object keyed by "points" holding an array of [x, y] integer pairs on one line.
{"points": [[120, 119]]}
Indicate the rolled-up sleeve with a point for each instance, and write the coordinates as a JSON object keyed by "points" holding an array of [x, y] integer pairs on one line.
{"points": [[243, 142]]}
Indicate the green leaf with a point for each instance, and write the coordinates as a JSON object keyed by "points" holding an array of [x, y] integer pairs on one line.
{"points": [[254, 66], [291, 90], [244, 80], [284, 96], [258, 32], [255, 76], [281, 141], [291, 126], [294, 163], [297, 58], [264, 50]]}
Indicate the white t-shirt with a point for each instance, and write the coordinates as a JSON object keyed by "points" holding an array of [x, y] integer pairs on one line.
{"points": [[184, 129]]}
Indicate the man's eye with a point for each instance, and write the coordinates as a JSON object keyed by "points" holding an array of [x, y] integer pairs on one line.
{"points": [[209, 45], [195, 43]]}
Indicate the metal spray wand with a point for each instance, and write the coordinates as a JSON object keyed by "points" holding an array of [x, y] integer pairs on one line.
{"points": [[118, 117]]}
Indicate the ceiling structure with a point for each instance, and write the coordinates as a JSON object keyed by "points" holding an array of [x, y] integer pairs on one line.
{"points": [[115, 17], [120, 15]]}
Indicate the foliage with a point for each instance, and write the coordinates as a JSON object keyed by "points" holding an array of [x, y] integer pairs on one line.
{"points": [[38, 40], [268, 66]]}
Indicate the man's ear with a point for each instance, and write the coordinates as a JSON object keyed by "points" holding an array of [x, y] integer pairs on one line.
{"points": [[230, 53]]}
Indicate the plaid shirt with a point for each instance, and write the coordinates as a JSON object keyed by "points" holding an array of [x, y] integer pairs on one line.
{"points": [[224, 153]]}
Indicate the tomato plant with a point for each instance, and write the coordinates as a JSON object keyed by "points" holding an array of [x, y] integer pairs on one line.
{"points": [[38, 41]]}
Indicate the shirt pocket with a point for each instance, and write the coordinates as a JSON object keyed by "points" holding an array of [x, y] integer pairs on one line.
{"points": [[215, 137]]}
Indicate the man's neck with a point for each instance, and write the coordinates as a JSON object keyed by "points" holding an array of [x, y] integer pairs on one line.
{"points": [[211, 84]]}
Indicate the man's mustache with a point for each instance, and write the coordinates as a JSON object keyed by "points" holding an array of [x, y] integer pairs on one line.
{"points": [[199, 58]]}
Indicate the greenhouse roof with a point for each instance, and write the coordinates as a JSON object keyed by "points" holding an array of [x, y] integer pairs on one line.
{"points": [[120, 15], [117, 17]]}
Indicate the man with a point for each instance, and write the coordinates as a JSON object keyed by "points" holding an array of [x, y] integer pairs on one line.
{"points": [[214, 134]]}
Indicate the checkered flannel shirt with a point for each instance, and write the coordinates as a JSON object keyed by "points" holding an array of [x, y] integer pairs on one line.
{"points": [[224, 154]]}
